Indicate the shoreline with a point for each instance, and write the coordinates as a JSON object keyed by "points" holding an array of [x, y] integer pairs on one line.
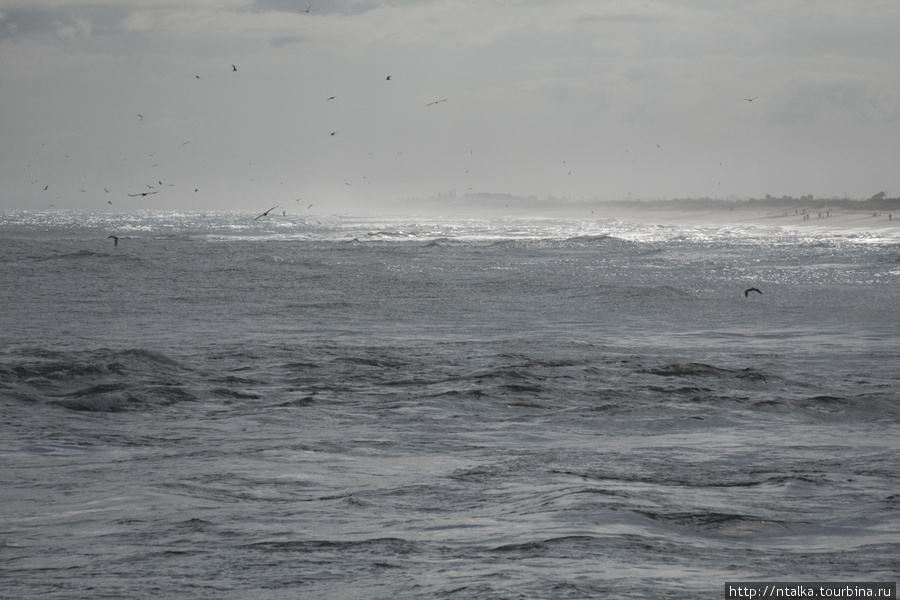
{"points": [[828, 218]]}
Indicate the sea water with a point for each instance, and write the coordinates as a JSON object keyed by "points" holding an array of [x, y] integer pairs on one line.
{"points": [[387, 407]]}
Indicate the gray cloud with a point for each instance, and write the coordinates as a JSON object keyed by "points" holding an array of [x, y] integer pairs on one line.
{"points": [[598, 83], [327, 8], [65, 23], [23, 22]]}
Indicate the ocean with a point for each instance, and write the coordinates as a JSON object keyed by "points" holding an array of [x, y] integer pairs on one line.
{"points": [[362, 407]]}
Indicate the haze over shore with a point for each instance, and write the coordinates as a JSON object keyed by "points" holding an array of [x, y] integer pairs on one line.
{"points": [[878, 210]]}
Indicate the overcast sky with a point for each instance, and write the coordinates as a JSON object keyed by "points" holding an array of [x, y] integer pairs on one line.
{"points": [[569, 98]]}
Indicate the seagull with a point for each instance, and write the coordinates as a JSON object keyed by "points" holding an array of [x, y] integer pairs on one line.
{"points": [[334, 133], [233, 68], [141, 117], [330, 98], [436, 101], [114, 239], [46, 186], [751, 99], [307, 10], [142, 194], [265, 214], [309, 207], [748, 290], [388, 78]]}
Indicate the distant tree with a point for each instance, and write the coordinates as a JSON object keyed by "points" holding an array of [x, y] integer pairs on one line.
{"points": [[878, 196]]}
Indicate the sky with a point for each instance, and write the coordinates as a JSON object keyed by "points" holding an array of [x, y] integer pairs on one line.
{"points": [[104, 100]]}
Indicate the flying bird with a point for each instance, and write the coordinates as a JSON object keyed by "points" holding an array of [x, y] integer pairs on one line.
{"points": [[307, 10], [46, 186], [334, 133], [748, 290], [114, 239], [141, 117], [143, 194], [436, 102], [751, 99], [330, 98], [388, 78], [233, 68], [265, 214]]}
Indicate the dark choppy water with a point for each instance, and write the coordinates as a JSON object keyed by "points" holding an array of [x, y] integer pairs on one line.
{"points": [[362, 408]]}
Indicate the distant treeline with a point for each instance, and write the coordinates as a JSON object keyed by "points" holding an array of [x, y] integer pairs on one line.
{"points": [[879, 201], [505, 202]]}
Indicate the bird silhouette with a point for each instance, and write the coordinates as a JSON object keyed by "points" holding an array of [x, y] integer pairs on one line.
{"points": [[233, 68], [436, 102], [748, 290], [143, 194], [751, 99], [266, 214], [114, 239]]}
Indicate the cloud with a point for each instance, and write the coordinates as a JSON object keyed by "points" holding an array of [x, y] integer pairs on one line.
{"points": [[286, 40], [66, 23], [320, 8], [21, 22], [526, 79], [835, 96]]}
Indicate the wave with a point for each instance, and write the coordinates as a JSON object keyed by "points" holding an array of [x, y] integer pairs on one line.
{"points": [[542, 546], [78, 255], [590, 239], [99, 381], [704, 370], [722, 523], [379, 546]]}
